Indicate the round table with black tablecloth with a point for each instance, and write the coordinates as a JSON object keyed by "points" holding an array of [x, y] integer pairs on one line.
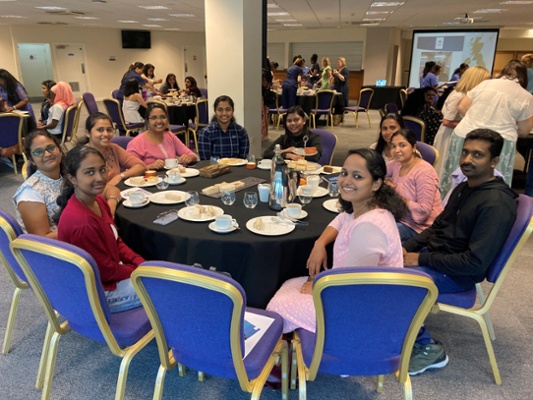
{"points": [[259, 263], [182, 114]]}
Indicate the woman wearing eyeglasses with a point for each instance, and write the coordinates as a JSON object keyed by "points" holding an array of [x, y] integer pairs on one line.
{"points": [[158, 143], [35, 199]]}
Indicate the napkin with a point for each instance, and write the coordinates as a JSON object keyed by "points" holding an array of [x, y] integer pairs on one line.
{"points": [[166, 219]]}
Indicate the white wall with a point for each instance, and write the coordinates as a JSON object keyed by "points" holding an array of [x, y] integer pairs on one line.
{"points": [[101, 44]]}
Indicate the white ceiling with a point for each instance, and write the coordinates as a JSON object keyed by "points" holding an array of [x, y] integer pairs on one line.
{"points": [[188, 15]]}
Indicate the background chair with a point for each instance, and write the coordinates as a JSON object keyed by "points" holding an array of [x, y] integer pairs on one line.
{"points": [[198, 319], [114, 94], [428, 152], [66, 280], [201, 120], [114, 110], [363, 105], [203, 91], [69, 124], [11, 135], [122, 141], [324, 106], [464, 303], [370, 334], [417, 126], [403, 96], [90, 102], [275, 111], [329, 143], [391, 108]]}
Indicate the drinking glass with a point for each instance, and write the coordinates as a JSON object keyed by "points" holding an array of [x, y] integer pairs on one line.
{"points": [[333, 189], [250, 199], [162, 183], [305, 194], [193, 199], [213, 160], [228, 197]]}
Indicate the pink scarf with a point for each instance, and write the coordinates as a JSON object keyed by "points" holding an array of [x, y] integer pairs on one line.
{"points": [[63, 94]]}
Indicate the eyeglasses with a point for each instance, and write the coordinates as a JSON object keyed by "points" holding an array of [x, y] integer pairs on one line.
{"points": [[40, 152], [158, 117]]}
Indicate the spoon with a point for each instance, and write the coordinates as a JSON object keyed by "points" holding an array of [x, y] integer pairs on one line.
{"points": [[281, 220]]}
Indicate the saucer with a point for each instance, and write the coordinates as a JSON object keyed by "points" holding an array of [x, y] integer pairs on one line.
{"points": [[127, 203], [213, 227], [179, 182], [302, 215], [264, 166]]}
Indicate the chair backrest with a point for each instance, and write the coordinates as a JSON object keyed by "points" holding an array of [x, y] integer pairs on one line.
{"points": [[69, 123], [114, 110], [522, 228], [122, 141], [90, 102], [114, 94], [372, 333], [202, 113], [416, 125], [11, 129], [365, 97], [328, 141], [196, 313], [66, 279], [391, 108], [9, 231], [428, 152], [203, 91], [324, 99], [403, 96]]}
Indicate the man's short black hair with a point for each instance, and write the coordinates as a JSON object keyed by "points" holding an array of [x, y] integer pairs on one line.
{"points": [[488, 135]]}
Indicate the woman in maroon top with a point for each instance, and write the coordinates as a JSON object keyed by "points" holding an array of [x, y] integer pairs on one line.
{"points": [[85, 221]]}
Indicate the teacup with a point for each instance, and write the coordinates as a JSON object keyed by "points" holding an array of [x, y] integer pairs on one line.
{"points": [[293, 210], [174, 176], [225, 222], [171, 163], [264, 192], [265, 163], [313, 180], [137, 198]]}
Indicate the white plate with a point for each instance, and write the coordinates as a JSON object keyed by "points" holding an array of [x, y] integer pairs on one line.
{"points": [[189, 172], [128, 182], [161, 197], [311, 167], [264, 167], [331, 205], [127, 203], [270, 228], [319, 192], [303, 214], [301, 152], [335, 170], [213, 227], [187, 214], [181, 180], [235, 162], [125, 194]]}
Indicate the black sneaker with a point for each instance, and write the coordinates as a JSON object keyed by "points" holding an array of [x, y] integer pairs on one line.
{"points": [[426, 357]]}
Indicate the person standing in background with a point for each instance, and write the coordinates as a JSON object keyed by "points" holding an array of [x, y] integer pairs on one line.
{"points": [[341, 76], [291, 82], [315, 70]]}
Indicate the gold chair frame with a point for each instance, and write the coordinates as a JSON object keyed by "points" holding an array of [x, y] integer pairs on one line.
{"points": [[330, 115], [197, 123], [120, 115], [166, 357], [21, 145], [382, 278], [419, 122], [58, 328], [480, 312]]}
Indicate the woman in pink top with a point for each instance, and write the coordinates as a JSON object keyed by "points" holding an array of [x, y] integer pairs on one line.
{"points": [[364, 233], [416, 181], [158, 143]]}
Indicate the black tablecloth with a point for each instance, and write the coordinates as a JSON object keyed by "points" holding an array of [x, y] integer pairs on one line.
{"points": [[259, 263], [181, 115], [384, 95]]}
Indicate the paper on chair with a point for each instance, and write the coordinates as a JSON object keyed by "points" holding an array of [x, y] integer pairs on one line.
{"points": [[255, 326]]}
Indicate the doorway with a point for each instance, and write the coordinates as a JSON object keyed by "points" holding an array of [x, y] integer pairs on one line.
{"points": [[70, 66], [195, 65], [36, 67]]}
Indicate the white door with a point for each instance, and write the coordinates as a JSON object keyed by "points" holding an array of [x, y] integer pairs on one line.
{"points": [[195, 65], [35, 66], [70, 65]]}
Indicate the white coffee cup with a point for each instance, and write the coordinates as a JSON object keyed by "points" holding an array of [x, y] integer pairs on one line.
{"points": [[313, 180], [264, 192], [174, 176], [225, 221], [293, 210], [137, 198], [171, 162], [266, 163]]}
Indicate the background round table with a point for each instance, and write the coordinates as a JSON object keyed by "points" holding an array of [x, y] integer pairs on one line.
{"points": [[259, 263]]}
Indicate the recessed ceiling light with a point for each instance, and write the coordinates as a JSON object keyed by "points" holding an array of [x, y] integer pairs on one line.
{"points": [[154, 7], [373, 19], [489, 11], [369, 24], [451, 23], [292, 25], [286, 20], [86, 18], [172, 29], [377, 12], [517, 2], [182, 15], [386, 4], [152, 26], [51, 8], [271, 5], [156, 19], [277, 14], [6, 0], [13, 16], [128, 22]]}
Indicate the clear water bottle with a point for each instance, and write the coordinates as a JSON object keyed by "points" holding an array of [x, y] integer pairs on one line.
{"points": [[279, 182]]}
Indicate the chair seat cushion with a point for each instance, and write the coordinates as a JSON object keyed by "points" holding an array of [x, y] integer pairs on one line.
{"points": [[339, 366], [135, 125], [129, 326], [465, 299], [177, 128], [354, 108], [319, 111]]}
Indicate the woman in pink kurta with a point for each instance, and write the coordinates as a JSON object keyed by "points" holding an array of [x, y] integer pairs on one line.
{"points": [[158, 143], [364, 233], [416, 181]]}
